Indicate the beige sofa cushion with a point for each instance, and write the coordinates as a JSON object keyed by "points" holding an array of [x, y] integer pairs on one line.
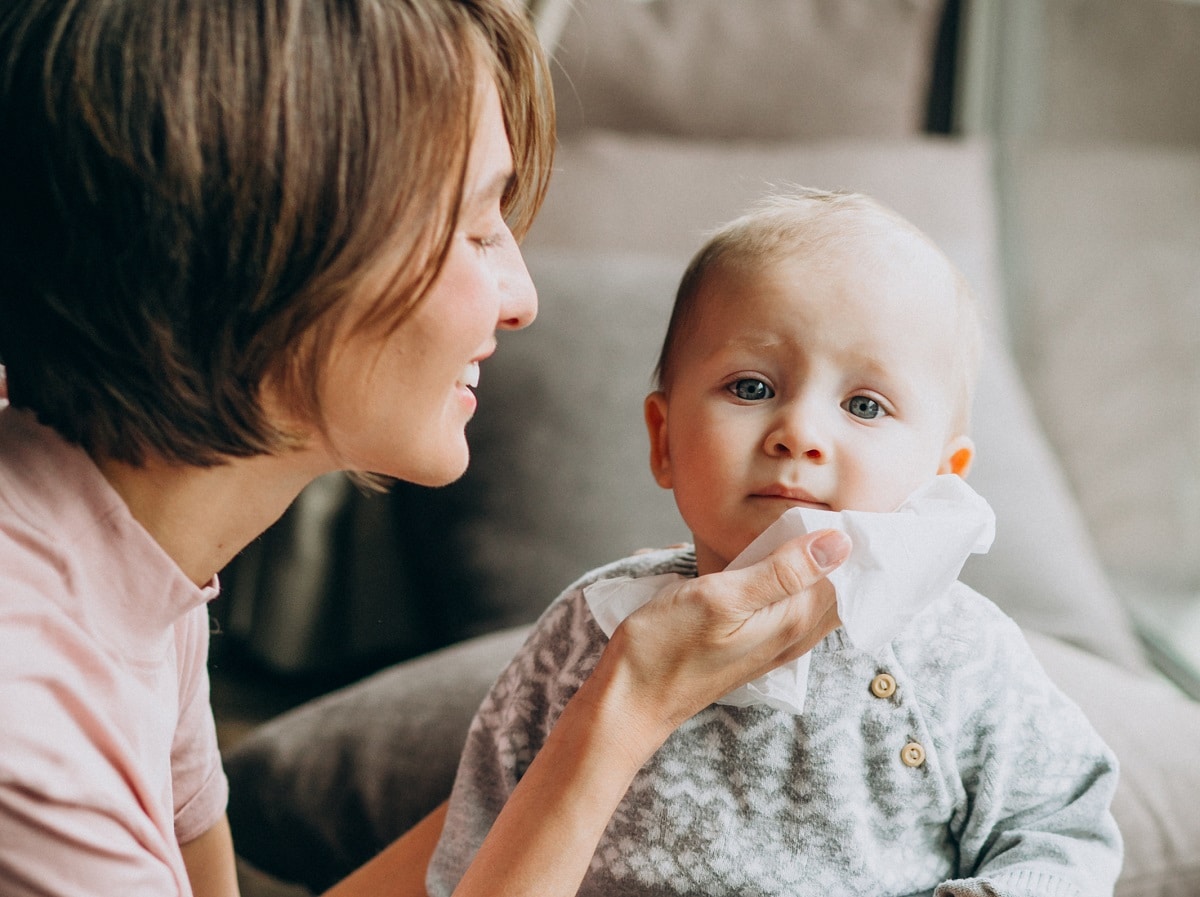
{"points": [[1106, 249], [1151, 727], [807, 69]]}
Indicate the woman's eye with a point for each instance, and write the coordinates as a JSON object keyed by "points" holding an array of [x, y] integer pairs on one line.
{"points": [[488, 234], [864, 407], [749, 389]]}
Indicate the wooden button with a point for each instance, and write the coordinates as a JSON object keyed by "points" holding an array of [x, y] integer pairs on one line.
{"points": [[912, 754], [883, 686]]}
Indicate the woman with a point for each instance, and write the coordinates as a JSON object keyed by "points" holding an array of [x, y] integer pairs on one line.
{"points": [[246, 245]]}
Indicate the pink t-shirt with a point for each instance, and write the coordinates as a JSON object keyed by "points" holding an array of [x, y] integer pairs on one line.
{"points": [[108, 751]]}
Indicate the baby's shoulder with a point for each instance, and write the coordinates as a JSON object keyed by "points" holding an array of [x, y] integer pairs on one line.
{"points": [[960, 631], [680, 560], [961, 612], [570, 603], [567, 634]]}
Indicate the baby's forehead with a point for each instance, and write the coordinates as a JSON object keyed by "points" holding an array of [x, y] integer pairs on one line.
{"points": [[874, 254], [885, 276]]}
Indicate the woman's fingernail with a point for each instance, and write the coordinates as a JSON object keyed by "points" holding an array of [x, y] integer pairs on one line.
{"points": [[830, 549]]}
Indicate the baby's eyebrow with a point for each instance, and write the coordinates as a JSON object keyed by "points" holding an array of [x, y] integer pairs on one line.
{"points": [[764, 340]]}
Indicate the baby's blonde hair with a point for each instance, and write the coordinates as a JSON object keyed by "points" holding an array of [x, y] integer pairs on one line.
{"points": [[807, 223]]}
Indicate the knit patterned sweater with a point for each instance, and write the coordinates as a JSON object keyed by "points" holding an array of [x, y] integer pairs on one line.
{"points": [[946, 765]]}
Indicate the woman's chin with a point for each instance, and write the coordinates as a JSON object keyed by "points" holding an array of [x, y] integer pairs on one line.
{"points": [[440, 471]]}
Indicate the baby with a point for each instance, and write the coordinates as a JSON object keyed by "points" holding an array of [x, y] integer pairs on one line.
{"points": [[818, 370]]}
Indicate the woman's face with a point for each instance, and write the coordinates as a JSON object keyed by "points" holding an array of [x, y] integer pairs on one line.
{"points": [[398, 405]]}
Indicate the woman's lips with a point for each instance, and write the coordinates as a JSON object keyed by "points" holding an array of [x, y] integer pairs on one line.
{"points": [[470, 375]]}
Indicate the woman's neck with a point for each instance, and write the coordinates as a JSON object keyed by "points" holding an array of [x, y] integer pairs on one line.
{"points": [[203, 516]]}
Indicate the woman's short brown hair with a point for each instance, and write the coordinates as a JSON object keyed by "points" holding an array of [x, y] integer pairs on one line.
{"points": [[192, 189]]}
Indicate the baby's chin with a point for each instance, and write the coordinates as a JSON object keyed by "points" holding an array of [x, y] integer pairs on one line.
{"points": [[711, 560]]}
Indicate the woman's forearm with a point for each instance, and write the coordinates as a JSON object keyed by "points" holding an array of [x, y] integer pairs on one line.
{"points": [[399, 870], [692, 643], [544, 838]]}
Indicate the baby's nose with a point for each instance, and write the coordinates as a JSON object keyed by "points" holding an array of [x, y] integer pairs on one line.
{"points": [[799, 436]]}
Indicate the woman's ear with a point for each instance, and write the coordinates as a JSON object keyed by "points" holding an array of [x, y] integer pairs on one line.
{"points": [[655, 411], [957, 457]]}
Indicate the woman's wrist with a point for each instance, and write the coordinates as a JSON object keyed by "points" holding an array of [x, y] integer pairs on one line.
{"points": [[545, 836], [621, 708]]}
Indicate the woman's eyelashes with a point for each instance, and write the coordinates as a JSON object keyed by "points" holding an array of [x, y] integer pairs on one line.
{"points": [[488, 232], [490, 241]]}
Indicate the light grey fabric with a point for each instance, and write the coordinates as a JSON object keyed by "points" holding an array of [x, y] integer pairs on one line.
{"points": [[1012, 788], [1153, 729], [560, 476], [1119, 70], [1106, 254], [318, 791]]}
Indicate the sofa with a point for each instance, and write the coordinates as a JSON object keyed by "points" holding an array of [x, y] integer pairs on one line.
{"points": [[676, 115]]}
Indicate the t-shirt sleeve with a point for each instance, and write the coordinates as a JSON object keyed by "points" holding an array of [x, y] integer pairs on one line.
{"points": [[200, 786], [55, 850], [65, 823], [78, 815]]}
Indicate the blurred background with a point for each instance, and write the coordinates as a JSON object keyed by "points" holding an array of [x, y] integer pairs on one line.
{"points": [[1051, 146], [1092, 112]]}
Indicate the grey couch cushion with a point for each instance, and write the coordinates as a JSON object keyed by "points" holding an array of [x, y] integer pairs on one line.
{"points": [[794, 69], [318, 791]]}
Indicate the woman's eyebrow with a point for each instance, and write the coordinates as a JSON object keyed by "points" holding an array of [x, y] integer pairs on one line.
{"points": [[492, 189]]}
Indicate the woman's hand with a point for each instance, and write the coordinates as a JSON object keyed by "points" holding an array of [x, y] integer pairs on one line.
{"points": [[700, 639], [691, 644]]}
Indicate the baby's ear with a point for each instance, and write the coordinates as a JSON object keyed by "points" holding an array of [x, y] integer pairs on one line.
{"points": [[957, 457], [655, 411]]}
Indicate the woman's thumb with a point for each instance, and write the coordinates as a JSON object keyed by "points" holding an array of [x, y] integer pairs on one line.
{"points": [[829, 549]]}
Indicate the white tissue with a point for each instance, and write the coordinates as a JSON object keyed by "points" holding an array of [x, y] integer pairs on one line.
{"points": [[901, 561]]}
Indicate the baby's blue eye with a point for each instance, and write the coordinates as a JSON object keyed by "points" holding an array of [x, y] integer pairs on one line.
{"points": [[749, 389], [864, 407]]}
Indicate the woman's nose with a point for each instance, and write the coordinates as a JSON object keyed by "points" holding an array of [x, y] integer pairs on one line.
{"points": [[518, 296]]}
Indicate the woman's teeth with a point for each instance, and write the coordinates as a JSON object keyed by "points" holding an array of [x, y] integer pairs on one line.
{"points": [[470, 375]]}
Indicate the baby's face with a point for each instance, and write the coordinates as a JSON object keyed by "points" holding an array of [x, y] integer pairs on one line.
{"points": [[830, 384]]}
